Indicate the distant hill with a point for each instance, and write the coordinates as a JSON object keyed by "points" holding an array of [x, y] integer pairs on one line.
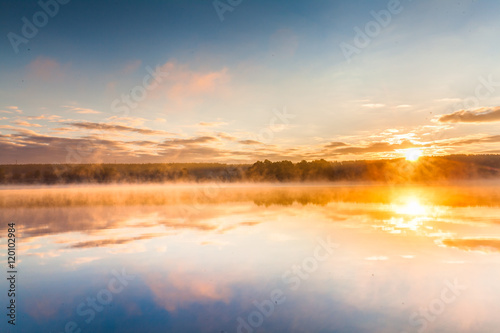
{"points": [[426, 169]]}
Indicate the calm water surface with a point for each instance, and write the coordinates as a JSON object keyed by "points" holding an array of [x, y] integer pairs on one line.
{"points": [[213, 258]]}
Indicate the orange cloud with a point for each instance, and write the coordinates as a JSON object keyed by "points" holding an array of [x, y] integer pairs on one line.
{"points": [[15, 108], [481, 115], [26, 124], [131, 66], [474, 244], [180, 289], [183, 82], [81, 110], [45, 69], [212, 124]]}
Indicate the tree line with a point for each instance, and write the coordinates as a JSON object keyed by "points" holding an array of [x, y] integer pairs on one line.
{"points": [[431, 168]]}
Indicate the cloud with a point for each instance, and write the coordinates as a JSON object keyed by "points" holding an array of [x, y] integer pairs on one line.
{"points": [[453, 99], [43, 117], [25, 123], [20, 131], [12, 109], [108, 223], [43, 308], [474, 244], [127, 121], [469, 141], [335, 145], [250, 142], [110, 141], [212, 124], [81, 110], [481, 115], [177, 289], [226, 136], [373, 106], [116, 128], [45, 69], [235, 226], [173, 224], [15, 109], [376, 147], [183, 83], [131, 67], [110, 242], [184, 142], [84, 260], [28, 146], [63, 130]]}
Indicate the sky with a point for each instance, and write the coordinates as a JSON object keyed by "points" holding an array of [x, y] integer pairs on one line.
{"points": [[236, 81]]}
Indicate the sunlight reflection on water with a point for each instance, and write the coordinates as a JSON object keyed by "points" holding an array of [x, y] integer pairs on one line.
{"points": [[202, 261]]}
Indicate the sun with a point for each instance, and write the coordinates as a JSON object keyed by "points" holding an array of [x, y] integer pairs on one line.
{"points": [[413, 154]]}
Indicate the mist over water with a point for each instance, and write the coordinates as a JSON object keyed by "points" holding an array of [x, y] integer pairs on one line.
{"points": [[256, 257]]}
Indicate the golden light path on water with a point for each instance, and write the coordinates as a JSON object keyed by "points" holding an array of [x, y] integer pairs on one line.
{"points": [[411, 214], [211, 251]]}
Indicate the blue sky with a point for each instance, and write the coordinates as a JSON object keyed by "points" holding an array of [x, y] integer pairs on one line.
{"points": [[270, 80]]}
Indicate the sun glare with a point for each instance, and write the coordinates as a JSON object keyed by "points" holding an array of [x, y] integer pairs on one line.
{"points": [[412, 207], [413, 154]]}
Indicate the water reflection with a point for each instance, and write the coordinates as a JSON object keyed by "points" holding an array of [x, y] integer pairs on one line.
{"points": [[203, 256], [412, 206]]}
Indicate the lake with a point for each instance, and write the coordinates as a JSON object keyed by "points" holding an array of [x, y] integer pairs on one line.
{"points": [[254, 258]]}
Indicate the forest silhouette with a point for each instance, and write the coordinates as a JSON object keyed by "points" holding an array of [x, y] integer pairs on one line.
{"points": [[426, 169]]}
